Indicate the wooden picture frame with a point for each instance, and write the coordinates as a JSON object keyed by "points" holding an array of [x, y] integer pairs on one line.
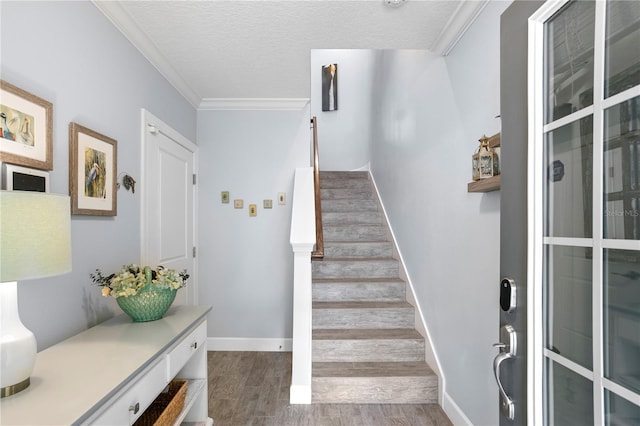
{"points": [[26, 135], [92, 172]]}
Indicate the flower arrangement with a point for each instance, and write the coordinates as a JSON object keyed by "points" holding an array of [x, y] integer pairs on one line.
{"points": [[131, 278]]}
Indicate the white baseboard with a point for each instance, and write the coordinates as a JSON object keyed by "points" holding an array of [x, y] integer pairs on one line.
{"points": [[365, 168], [300, 394], [421, 325], [248, 344], [455, 414]]}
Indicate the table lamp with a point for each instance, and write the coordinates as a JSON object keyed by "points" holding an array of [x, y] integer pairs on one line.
{"points": [[35, 242]]}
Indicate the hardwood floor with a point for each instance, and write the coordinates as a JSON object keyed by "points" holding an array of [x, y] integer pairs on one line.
{"points": [[252, 389]]}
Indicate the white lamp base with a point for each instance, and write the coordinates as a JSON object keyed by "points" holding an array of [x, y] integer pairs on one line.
{"points": [[17, 344]]}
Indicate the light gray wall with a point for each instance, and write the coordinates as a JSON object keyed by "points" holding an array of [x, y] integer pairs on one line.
{"points": [[246, 263], [431, 113], [344, 135], [69, 54]]}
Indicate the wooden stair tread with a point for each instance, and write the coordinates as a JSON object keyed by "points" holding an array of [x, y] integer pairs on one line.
{"points": [[364, 257], [379, 243], [355, 280], [360, 305], [344, 174], [356, 259], [359, 241], [366, 348], [354, 242], [371, 369], [353, 225], [366, 334]]}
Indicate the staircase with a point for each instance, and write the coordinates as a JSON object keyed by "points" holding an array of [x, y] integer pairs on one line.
{"points": [[365, 348]]}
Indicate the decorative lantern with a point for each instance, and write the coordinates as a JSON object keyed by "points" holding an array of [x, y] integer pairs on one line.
{"points": [[475, 166], [488, 165]]}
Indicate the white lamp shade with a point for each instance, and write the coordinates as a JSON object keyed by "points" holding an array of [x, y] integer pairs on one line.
{"points": [[35, 235]]}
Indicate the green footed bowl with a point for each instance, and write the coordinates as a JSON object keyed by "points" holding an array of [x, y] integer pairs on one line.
{"points": [[149, 304]]}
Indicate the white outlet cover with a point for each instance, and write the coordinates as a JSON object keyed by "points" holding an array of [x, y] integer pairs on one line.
{"points": [[282, 198]]}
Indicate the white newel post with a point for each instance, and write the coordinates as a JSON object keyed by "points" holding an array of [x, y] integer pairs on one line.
{"points": [[302, 241]]}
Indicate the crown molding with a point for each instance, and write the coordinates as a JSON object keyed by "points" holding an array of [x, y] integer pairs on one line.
{"points": [[123, 22], [465, 15], [253, 104]]}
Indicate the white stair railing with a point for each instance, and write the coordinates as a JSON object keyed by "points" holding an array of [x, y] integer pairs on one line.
{"points": [[303, 240]]}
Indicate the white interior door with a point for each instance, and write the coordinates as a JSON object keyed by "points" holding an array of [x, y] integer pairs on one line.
{"points": [[584, 228], [168, 202]]}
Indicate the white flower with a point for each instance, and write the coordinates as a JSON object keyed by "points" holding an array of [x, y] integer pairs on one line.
{"points": [[131, 278]]}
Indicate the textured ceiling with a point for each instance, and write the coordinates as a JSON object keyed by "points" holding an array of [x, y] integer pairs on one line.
{"points": [[261, 48]]}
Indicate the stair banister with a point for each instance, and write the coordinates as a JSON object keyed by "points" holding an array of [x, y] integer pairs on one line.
{"points": [[303, 240], [318, 253]]}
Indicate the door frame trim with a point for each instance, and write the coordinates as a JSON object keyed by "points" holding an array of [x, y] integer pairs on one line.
{"points": [[535, 228], [147, 121]]}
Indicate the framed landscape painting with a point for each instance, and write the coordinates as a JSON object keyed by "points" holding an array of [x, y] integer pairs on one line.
{"points": [[92, 172]]}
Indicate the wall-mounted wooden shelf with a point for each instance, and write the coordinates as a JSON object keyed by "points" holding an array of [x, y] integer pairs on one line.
{"points": [[485, 185], [494, 141], [489, 184]]}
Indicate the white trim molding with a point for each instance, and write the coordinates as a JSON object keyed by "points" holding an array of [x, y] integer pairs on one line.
{"points": [[248, 344], [302, 239], [300, 394], [253, 104], [454, 412], [149, 125], [431, 357], [460, 21], [127, 26]]}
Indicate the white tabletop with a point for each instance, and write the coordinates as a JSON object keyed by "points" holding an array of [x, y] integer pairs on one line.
{"points": [[75, 377]]}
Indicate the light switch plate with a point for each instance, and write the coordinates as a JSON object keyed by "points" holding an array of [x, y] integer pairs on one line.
{"points": [[225, 197], [238, 204], [282, 198], [253, 210], [267, 204]]}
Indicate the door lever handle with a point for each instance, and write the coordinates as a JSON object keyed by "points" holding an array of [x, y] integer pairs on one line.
{"points": [[506, 403], [508, 341], [507, 351]]}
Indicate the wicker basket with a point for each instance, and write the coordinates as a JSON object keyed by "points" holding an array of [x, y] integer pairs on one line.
{"points": [[166, 408]]}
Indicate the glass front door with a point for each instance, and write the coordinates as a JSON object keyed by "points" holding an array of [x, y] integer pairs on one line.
{"points": [[585, 221]]}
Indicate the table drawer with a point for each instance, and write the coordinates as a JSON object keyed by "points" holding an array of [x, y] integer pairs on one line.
{"points": [[179, 355], [127, 407]]}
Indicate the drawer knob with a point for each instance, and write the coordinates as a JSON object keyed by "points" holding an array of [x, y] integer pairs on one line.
{"points": [[194, 345], [135, 408]]}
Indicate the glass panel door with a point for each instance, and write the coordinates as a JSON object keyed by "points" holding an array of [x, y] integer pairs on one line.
{"points": [[622, 170], [588, 175]]}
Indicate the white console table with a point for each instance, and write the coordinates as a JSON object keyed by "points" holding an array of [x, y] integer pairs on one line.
{"points": [[110, 373]]}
